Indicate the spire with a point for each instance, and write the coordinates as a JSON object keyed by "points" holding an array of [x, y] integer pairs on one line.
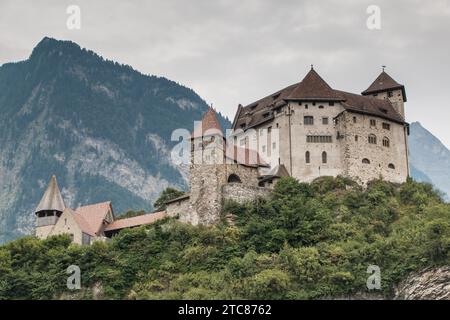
{"points": [[383, 82], [52, 199], [210, 124], [313, 87]]}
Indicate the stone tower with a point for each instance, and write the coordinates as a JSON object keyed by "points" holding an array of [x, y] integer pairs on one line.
{"points": [[49, 209], [207, 170], [385, 87]]}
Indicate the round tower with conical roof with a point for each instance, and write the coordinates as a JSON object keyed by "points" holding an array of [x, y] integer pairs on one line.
{"points": [[49, 209]]}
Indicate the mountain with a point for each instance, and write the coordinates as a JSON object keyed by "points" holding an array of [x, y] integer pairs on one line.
{"points": [[102, 128], [429, 158]]}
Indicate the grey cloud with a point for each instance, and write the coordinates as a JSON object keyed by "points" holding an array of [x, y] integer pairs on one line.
{"points": [[232, 51]]}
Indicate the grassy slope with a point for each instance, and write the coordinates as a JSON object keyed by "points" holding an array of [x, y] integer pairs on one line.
{"points": [[307, 241]]}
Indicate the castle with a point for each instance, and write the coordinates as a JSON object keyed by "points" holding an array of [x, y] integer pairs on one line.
{"points": [[305, 131]]}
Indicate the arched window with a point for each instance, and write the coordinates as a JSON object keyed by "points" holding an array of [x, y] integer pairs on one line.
{"points": [[324, 157], [234, 179], [386, 142], [366, 161], [391, 166], [372, 139], [307, 157]]}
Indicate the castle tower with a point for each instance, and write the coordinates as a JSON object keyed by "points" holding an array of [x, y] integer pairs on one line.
{"points": [[385, 87], [207, 169], [49, 209]]}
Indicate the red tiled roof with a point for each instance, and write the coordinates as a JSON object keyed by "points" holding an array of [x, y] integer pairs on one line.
{"points": [[136, 221], [209, 125], [82, 223], [313, 87], [93, 215], [382, 83]]}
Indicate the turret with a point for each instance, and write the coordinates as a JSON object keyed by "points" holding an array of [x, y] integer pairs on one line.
{"points": [[49, 209], [385, 87]]}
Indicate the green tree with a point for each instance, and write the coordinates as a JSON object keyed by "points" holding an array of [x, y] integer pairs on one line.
{"points": [[167, 195]]}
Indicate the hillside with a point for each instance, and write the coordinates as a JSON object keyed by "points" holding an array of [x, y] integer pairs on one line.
{"points": [[308, 241], [103, 128]]}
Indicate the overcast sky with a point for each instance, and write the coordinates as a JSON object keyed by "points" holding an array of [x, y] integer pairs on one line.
{"points": [[236, 51]]}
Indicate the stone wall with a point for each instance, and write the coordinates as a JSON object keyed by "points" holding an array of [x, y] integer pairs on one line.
{"points": [[183, 210], [243, 193], [356, 129]]}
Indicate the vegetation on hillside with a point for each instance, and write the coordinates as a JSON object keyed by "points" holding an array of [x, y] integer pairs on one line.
{"points": [[307, 241]]}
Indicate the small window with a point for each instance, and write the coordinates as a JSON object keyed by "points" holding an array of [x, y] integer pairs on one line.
{"points": [[306, 106], [386, 142], [234, 179], [386, 126], [356, 138], [373, 122], [324, 157], [325, 120], [390, 94], [307, 157], [321, 107], [391, 166], [308, 120], [354, 119], [366, 161], [331, 104], [313, 103], [372, 139]]}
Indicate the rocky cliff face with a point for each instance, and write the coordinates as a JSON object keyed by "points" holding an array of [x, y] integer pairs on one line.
{"points": [[429, 158], [431, 284], [103, 128]]}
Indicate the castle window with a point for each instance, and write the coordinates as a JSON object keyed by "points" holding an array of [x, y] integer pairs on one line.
{"points": [[319, 139], [354, 119], [391, 166], [306, 106], [324, 157], [390, 94], [234, 179], [313, 103], [386, 142], [308, 120], [386, 126], [366, 161], [321, 107], [325, 120], [356, 138], [373, 139], [373, 122], [331, 104], [307, 157]]}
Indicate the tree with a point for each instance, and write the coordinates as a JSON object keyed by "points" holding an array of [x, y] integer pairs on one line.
{"points": [[167, 195]]}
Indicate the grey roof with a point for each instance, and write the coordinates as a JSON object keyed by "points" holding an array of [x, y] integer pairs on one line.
{"points": [[314, 88], [52, 199], [276, 172]]}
